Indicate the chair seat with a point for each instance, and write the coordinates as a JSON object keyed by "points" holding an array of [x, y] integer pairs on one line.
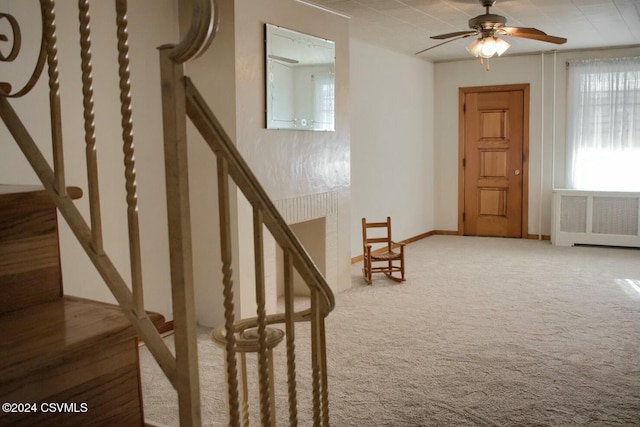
{"points": [[386, 256]]}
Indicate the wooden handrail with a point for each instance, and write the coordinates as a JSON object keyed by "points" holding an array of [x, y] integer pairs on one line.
{"points": [[215, 136], [203, 28]]}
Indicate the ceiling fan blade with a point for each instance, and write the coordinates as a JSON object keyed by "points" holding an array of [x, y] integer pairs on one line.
{"points": [[463, 36], [531, 33], [456, 34]]}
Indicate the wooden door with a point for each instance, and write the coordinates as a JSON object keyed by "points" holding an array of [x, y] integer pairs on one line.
{"points": [[493, 149]]}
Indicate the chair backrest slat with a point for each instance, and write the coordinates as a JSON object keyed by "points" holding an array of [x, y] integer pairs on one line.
{"points": [[377, 240], [376, 224]]}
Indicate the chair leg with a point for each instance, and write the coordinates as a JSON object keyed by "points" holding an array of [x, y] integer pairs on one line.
{"points": [[402, 262], [367, 271]]}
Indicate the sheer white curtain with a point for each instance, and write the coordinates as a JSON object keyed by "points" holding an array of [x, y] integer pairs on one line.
{"points": [[603, 129], [324, 101]]}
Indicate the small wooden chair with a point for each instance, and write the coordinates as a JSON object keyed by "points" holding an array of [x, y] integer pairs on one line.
{"points": [[392, 262]]}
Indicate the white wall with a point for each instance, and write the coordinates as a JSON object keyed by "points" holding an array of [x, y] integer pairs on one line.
{"points": [[392, 142], [536, 70], [146, 33]]}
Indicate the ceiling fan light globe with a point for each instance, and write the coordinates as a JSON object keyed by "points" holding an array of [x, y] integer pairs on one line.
{"points": [[489, 47], [475, 47], [501, 46]]}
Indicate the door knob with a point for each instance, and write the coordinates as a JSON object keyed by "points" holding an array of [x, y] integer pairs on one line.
{"points": [[517, 172]]}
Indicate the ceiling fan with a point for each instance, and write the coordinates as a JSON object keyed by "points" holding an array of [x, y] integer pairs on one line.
{"points": [[488, 27]]}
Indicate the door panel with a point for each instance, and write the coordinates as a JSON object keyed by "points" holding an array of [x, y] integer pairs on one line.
{"points": [[493, 142]]}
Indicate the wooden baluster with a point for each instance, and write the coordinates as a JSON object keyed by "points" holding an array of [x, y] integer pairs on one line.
{"points": [[315, 357], [178, 216], [272, 388], [290, 330], [227, 280], [89, 126], [263, 353], [245, 390], [129, 162], [49, 15], [319, 361], [323, 366]]}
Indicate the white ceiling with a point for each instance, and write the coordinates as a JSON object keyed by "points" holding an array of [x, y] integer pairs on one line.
{"points": [[406, 25]]}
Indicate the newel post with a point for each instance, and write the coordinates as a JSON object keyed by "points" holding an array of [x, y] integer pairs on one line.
{"points": [[180, 249]]}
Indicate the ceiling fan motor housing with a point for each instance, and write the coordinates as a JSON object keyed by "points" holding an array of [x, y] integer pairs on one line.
{"points": [[487, 3], [487, 21]]}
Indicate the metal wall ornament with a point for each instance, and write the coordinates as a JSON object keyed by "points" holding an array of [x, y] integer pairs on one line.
{"points": [[48, 24], [17, 38]]}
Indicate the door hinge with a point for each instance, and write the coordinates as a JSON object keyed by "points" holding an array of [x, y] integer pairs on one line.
{"points": [[463, 216], [464, 163], [464, 108]]}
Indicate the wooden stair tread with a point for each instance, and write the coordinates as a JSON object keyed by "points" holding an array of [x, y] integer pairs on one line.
{"points": [[32, 337], [33, 191], [17, 196], [30, 271]]}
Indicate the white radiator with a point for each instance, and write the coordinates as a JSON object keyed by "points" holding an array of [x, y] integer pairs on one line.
{"points": [[595, 218]]}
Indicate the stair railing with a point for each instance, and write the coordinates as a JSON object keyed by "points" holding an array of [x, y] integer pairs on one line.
{"points": [[53, 179], [180, 99]]}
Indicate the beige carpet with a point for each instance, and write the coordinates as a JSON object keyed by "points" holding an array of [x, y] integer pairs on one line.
{"points": [[485, 332]]}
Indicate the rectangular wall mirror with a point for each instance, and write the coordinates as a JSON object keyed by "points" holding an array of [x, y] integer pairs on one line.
{"points": [[300, 80]]}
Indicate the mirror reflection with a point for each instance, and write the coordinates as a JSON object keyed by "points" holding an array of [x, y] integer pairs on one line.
{"points": [[300, 80]]}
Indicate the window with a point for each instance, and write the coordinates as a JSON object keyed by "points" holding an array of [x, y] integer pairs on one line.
{"points": [[324, 100], [603, 129]]}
